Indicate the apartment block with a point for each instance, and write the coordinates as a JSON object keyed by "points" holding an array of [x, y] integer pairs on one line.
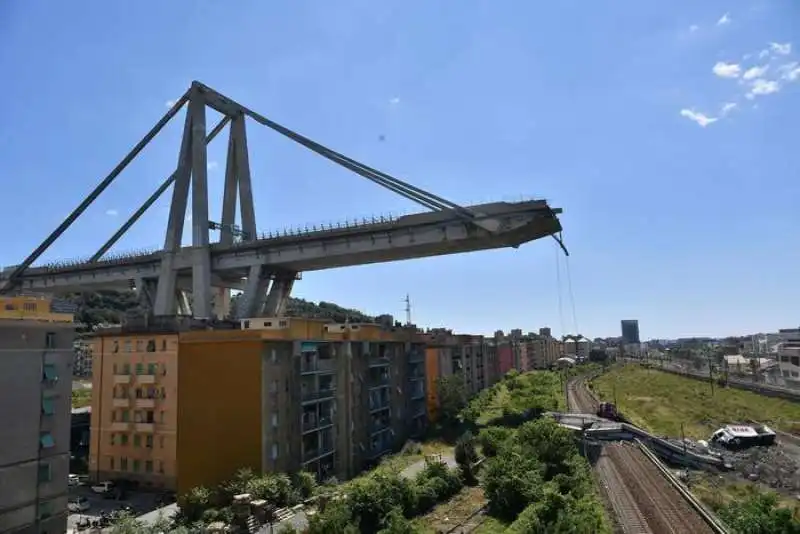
{"points": [[542, 350], [788, 352], [35, 401], [196, 403]]}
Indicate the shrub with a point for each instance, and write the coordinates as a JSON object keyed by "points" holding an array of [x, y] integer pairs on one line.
{"points": [[492, 438]]}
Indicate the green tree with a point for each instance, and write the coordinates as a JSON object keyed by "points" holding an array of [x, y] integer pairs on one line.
{"points": [[492, 438], [194, 504], [396, 523], [759, 515], [452, 396], [466, 456]]}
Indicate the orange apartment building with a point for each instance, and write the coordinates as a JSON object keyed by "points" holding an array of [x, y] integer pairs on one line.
{"points": [[469, 356], [179, 405]]}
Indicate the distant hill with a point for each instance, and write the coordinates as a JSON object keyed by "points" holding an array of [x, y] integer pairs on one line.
{"points": [[111, 307]]}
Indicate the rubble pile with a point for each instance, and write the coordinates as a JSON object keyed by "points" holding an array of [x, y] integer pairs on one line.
{"points": [[771, 466]]}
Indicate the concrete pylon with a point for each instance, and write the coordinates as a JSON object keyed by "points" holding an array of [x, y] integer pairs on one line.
{"points": [[279, 293], [192, 172]]}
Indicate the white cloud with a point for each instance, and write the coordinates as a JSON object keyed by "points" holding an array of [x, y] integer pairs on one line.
{"points": [[763, 54], [394, 101], [762, 87], [211, 165], [790, 71], [754, 72], [727, 107], [112, 213], [782, 49], [726, 70], [694, 28], [724, 19], [700, 118]]}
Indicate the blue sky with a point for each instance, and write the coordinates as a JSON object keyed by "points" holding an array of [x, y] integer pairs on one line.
{"points": [[674, 161]]}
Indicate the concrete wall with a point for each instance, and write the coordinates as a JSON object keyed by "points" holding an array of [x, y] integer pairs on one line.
{"points": [[24, 350]]}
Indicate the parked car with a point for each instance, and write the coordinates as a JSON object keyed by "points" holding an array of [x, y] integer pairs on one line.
{"points": [[73, 480], [78, 505], [103, 487]]}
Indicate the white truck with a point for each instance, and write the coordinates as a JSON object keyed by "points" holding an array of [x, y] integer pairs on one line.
{"points": [[103, 487], [743, 436]]}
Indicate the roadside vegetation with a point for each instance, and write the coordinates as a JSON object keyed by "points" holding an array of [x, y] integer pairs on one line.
{"points": [[661, 402], [81, 398]]}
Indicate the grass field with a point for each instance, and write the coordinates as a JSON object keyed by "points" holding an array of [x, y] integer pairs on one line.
{"points": [[660, 402]]}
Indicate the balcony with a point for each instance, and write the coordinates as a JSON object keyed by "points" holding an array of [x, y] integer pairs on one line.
{"points": [[379, 425], [145, 403], [417, 393], [378, 361], [122, 379], [416, 357], [121, 402], [317, 423], [121, 426], [318, 395], [146, 379], [145, 427], [310, 365], [309, 455], [378, 381]]}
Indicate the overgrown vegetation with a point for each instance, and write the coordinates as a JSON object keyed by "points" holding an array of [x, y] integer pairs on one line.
{"points": [[384, 502], [661, 402], [110, 307]]}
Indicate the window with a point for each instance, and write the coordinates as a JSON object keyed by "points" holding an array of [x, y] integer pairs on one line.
{"points": [[160, 466], [149, 417], [137, 466], [139, 368], [126, 416], [267, 323], [139, 345], [274, 451], [115, 346], [163, 344], [246, 324], [111, 463], [44, 474], [163, 393], [123, 439], [46, 440], [48, 406], [127, 345], [126, 368], [152, 368], [274, 420], [148, 466], [151, 345], [50, 340], [45, 509], [274, 356], [282, 324], [115, 369], [148, 441], [123, 464], [161, 442], [112, 439], [49, 372], [137, 440]]}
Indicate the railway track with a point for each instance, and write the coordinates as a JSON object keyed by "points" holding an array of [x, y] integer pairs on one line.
{"points": [[642, 498]]}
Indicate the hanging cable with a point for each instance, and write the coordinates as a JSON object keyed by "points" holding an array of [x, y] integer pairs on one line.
{"points": [[571, 297], [558, 288]]}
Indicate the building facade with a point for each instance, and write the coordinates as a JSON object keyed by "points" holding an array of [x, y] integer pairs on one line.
{"points": [[630, 331], [35, 407], [788, 352], [189, 406]]}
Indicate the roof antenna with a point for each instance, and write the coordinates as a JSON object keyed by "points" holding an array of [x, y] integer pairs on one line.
{"points": [[407, 300]]}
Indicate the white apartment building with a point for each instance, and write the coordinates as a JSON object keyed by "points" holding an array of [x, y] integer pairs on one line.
{"points": [[789, 354]]}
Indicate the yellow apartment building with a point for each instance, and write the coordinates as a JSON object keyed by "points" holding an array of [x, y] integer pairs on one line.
{"points": [[190, 406]]}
